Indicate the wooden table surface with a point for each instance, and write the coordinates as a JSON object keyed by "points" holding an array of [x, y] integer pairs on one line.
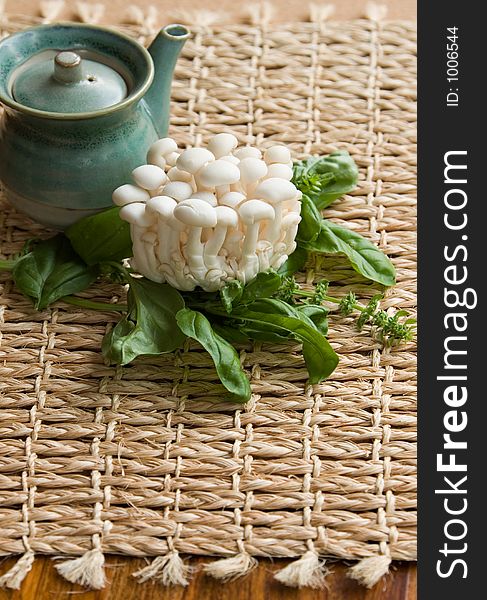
{"points": [[43, 582]]}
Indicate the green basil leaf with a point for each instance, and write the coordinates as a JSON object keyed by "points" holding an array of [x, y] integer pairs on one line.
{"points": [[265, 335], [149, 327], [317, 314], [101, 237], [52, 270], [231, 334], [264, 285], [230, 294], [294, 263], [321, 360], [309, 227], [332, 175], [364, 256], [312, 315], [227, 363]]}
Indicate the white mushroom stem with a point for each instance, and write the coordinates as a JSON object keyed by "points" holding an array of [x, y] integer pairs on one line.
{"points": [[231, 248], [275, 191], [213, 280], [265, 251], [290, 224], [163, 208], [197, 214], [278, 260], [140, 221], [252, 213], [184, 279], [149, 240], [226, 218]]}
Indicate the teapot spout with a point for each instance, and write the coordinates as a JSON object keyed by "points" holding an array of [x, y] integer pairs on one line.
{"points": [[164, 50]]}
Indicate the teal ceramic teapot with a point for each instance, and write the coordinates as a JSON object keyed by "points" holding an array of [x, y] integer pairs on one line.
{"points": [[82, 106]]}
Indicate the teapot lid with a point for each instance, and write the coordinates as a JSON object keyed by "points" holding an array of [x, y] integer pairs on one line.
{"points": [[66, 82]]}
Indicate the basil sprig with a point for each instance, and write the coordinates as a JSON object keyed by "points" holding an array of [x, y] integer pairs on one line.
{"points": [[272, 308], [51, 270], [322, 180]]}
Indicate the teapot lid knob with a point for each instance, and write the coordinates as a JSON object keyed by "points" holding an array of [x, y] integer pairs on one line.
{"points": [[68, 67]]}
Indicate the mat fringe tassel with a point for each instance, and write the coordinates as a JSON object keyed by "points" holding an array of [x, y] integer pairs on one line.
{"points": [[376, 12], [87, 570], [307, 571], [146, 18], [169, 570], [204, 18], [50, 9], [89, 13], [260, 14], [14, 577], [231, 568], [318, 13], [369, 571]]}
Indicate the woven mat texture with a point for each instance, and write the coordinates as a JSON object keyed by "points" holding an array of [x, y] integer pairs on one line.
{"points": [[145, 459]]}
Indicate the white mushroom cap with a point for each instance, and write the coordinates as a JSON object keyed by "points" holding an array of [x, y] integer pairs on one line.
{"points": [[222, 144], [255, 210], [226, 216], [135, 214], [172, 158], [162, 205], [279, 170], [232, 199], [219, 172], [290, 219], [149, 177], [277, 154], [251, 170], [193, 159], [176, 174], [179, 190], [154, 158], [128, 193], [276, 190], [163, 146], [207, 197], [230, 158], [246, 152], [196, 212]]}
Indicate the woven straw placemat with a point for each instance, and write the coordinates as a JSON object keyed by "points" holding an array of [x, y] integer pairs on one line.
{"points": [[145, 460]]}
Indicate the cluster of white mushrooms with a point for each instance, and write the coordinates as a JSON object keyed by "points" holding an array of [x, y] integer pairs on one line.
{"points": [[204, 216]]}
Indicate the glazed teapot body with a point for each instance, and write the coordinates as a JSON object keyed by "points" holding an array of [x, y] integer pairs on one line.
{"points": [[82, 106]]}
